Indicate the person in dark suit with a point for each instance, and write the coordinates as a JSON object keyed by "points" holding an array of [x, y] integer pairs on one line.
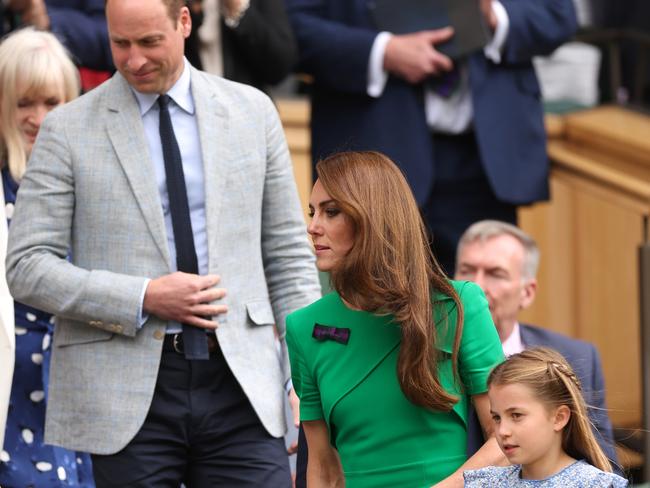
{"points": [[249, 41], [503, 260], [79, 24], [471, 153]]}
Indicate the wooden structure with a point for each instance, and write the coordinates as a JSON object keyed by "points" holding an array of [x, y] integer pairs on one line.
{"points": [[589, 235], [593, 236]]}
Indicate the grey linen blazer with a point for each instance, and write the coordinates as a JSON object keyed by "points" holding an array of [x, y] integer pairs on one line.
{"points": [[90, 190]]}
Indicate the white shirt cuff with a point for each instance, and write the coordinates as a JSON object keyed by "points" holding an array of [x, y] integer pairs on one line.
{"points": [[377, 75], [142, 317], [493, 49]]}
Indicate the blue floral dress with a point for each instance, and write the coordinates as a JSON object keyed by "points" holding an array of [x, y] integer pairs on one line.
{"points": [[25, 461], [577, 475]]}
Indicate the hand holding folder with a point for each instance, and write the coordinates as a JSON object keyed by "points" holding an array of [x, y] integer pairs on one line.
{"points": [[409, 16]]}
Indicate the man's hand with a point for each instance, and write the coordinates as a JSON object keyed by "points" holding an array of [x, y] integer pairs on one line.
{"points": [[36, 14], [294, 403], [231, 8], [488, 13], [414, 56], [185, 298]]}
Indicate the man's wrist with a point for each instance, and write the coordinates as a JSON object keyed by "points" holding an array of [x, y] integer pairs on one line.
{"points": [[232, 17]]}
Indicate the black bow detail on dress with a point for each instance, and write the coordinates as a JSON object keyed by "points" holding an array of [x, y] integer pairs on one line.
{"points": [[327, 333]]}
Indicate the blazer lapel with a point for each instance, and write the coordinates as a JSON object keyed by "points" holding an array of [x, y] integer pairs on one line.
{"points": [[212, 120], [128, 139]]}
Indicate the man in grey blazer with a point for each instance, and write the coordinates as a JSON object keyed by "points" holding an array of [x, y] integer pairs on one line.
{"points": [[97, 190], [503, 261]]}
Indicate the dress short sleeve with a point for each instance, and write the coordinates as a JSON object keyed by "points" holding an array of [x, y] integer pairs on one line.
{"points": [[480, 347], [303, 382]]}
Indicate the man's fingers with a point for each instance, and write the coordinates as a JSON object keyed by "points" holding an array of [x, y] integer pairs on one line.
{"points": [[439, 35], [293, 448], [211, 294], [201, 322], [441, 62], [208, 281], [207, 310]]}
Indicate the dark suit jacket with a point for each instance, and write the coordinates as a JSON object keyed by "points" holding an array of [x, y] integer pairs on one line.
{"points": [[585, 361], [260, 51], [79, 24], [335, 38]]}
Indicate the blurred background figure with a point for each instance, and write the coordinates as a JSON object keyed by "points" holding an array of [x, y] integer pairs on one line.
{"points": [[36, 75], [246, 41], [79, 24], [468, 134]]}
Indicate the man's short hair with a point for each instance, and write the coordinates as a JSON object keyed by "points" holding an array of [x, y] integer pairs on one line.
{"points": [[487, 229], [173, 8]]}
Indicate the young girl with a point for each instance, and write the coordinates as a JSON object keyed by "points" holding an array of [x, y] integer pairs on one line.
{"points": [[542, 427]]}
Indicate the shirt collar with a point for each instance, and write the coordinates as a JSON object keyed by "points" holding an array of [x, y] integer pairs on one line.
{"points": [[513, 344], [180, 92]]}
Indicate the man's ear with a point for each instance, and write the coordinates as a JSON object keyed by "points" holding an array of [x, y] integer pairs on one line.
{"points": [[528, 293], [561, 417], [185, 21]]}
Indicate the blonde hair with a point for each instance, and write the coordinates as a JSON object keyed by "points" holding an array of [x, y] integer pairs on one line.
{"points": [[554, 383], [34, 60], [390, 268]]}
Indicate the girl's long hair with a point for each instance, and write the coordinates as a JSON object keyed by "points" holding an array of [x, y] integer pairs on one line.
{"points": [[554, 383], [390, 268]]}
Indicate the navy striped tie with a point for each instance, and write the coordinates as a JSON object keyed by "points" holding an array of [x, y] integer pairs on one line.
{"points": [[195, 342]]}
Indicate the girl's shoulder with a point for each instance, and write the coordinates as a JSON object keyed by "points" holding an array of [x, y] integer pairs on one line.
{"points": [[578, 475], [492, 477], [587, 475]]}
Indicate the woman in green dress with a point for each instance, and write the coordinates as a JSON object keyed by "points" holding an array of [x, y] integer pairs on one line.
{"points": [[387, 364]]}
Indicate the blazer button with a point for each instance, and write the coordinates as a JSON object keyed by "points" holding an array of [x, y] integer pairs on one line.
{"points": [[159, 334]]}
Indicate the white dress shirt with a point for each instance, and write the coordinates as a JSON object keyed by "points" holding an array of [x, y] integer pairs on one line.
{"points": [[513, 344]]}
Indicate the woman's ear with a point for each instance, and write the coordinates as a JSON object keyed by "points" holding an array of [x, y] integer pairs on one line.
{"points": [[561, 417]]}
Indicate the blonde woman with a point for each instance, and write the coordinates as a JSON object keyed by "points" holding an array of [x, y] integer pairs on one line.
{"points": [[36, 75]]}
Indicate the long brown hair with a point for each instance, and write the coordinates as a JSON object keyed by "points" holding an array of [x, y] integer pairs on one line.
{"points": [[554, 383], [390, 268]]}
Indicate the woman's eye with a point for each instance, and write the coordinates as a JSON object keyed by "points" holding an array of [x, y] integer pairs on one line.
{"points": [[496, 418], [52, 102], [332, 212], [311, 214], [516, 415]]}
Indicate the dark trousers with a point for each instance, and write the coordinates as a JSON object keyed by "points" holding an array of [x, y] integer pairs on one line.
{"points": [[461, 196], [201, 430]]}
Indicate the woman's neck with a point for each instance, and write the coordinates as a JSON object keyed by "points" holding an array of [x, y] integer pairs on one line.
{"points": [[552, 463]]}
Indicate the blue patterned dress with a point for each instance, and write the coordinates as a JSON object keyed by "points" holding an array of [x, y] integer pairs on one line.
{"points": [[577, 475], [26, 461]]}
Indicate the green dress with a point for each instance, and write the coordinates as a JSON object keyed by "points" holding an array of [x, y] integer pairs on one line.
{"points": [[382, 438]]}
